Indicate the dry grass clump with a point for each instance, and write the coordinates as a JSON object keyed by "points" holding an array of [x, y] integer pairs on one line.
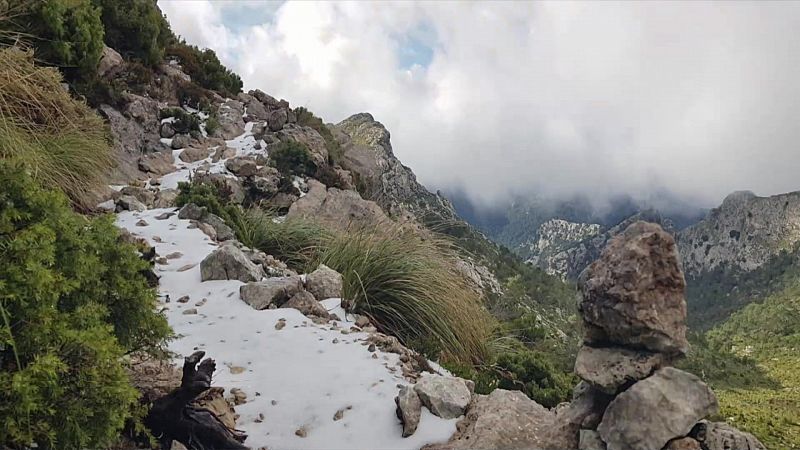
{"points": [[61, 140], [408, 283]]}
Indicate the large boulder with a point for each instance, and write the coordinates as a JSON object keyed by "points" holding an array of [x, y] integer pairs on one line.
{"points": [[502, 420], [180, 141], [611, 368], [336, 208], [159, 164], [242, 166], [165, 198], [304, 302], [110, 64], [145, 196], [192, 154], [223, 231], [633, 295], [409, 409], [229, 115], [277, 119], [721, 436], [446, 397], [324, 283], [129, 203], [272, 291], [229, 263], [656, 410]]}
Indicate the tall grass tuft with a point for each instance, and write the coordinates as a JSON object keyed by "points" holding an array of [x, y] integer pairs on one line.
{"points": [[62, 142], [408, 284], [295, 242]]}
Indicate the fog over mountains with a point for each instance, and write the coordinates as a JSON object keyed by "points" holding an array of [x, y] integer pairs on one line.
{"points": [[598, 99]]}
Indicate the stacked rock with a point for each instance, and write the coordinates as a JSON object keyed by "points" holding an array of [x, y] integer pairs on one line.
{"points": [[634, 313]]}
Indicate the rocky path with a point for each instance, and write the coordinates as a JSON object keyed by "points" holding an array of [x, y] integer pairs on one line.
{"points": [[305, 385]]}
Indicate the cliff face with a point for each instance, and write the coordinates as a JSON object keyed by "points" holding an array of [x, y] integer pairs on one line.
{"points": [[368, 155], [744, 232], [555, 237]]}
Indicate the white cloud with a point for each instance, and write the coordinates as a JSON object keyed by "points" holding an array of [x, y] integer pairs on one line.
{"points": [[598, 98]]}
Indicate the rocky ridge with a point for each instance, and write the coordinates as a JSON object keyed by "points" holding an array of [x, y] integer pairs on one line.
{"points": [[744, 232]]}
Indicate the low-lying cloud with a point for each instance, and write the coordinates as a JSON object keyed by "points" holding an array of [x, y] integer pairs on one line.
{"points": [[562, 98]]}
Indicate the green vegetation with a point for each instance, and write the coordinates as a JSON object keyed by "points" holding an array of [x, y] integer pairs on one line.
{"points": [[205, 69], [67, 34], [409, 285], [713, 296], [520, 369], [212, 124], [292, 158], [184, 122], [769, 333], [295, 242], [61, 140], [307, 119], [136, 29], [72, 302]]}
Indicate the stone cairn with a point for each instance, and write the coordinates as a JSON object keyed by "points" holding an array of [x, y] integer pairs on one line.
{"points": [[634, 312]]}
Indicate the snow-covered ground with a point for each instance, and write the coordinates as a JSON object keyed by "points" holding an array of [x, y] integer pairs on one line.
{"points": [[295, 377]]}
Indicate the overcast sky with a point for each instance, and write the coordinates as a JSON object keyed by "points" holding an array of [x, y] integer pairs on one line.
{"points": [[699, 99]]}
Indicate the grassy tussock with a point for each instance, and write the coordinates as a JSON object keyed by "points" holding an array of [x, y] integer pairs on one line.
{"points": [[410, 286], [295, 242], [61, 140]]}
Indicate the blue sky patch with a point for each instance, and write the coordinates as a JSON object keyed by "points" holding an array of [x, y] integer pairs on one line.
{"points": [[416, 47]]}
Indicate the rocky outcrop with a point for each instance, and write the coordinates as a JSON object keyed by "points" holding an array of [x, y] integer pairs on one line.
{"points": [[272, 291], [503, 420], [744, 232], [446, 397], [336, 208], [229, 263], [367, 152], [672, 401], [634, 294], [324, 283], [134, 139], [572, 259], [556, 236]]}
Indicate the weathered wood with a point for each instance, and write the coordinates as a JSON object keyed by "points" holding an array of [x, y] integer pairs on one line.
{"points": [[172, 417]]}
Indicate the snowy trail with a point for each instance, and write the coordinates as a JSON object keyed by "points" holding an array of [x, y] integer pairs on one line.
{"points": [[297, 376]]}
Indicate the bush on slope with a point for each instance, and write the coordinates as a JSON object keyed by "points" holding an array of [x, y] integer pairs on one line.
{"points": [[769, 333], [72, 303]]}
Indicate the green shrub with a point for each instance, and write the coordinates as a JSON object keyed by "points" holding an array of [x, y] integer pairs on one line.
{"points": [[205, 69], [184, 122], [135, 28], [61, 140], [67, 34], [409, 285], [292, 158], [212, 124], [192, 95], [207, 195], [295, 242], [520, 370], [73, 302], [308, 119]]}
